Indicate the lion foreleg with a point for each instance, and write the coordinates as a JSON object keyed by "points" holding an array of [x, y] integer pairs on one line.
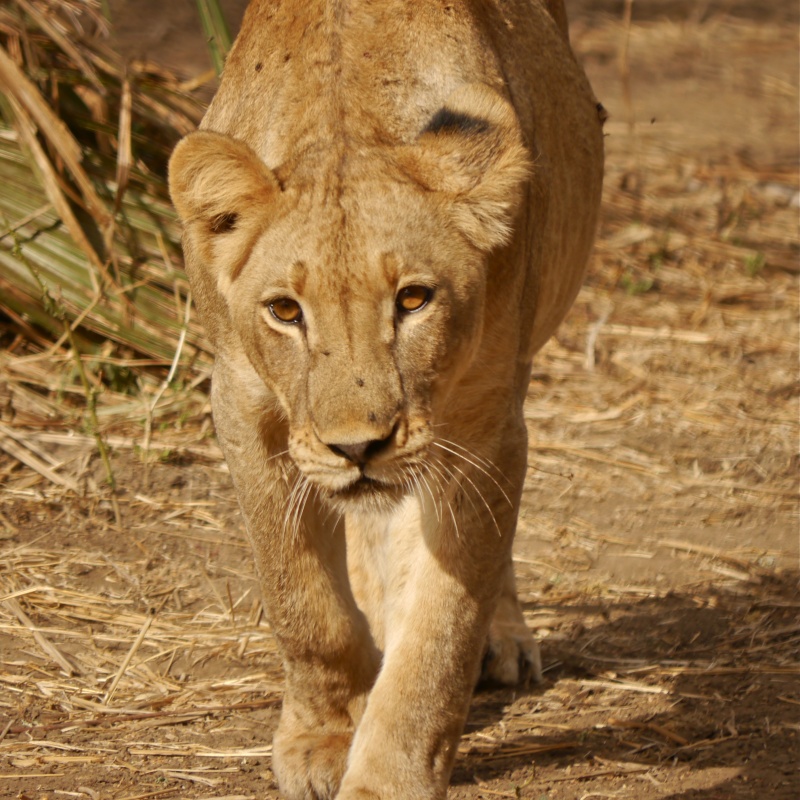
{"points": [[442, 586], [329, 657], [407, 739]]}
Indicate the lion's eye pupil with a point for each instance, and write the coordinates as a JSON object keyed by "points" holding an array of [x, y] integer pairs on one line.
{"points": [[286, 310], [413, 298]]}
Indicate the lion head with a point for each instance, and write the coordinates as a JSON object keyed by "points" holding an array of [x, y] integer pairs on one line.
{"points": [[353, 279]]}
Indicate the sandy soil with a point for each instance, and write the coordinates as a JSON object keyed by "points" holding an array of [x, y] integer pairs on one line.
{"points": [[658, 547]]}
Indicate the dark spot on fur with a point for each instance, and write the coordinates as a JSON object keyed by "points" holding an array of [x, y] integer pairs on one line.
{"points": [[447, 121], [224, 223], [371, 417], [287, 57], [359, 381], [602, 114], [326, 352], [259, 67]]}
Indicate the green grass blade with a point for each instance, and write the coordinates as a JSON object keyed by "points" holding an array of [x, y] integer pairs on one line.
{"points": [[217, 33]]}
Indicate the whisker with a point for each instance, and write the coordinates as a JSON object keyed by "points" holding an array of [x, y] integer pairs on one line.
{"points": [[411, 484], [486, 462], [407, 478], [291, 500], [299, 495], [330, 511], [421, 480], [277, 455], [291, 520], [300, 506], [450, 469], [453, 516], [441, 475], [442, 482], [477, 466]]}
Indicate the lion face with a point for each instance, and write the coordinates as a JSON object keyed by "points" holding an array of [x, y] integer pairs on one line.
{"points": [[359, 319], [356, 290]]}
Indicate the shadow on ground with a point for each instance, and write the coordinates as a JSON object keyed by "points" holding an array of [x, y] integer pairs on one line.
{"points": [[706, 683]]}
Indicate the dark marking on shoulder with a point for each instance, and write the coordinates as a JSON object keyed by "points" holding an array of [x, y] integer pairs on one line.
{"points": [[447, 121], [259, 67], [359, 382], [223, 223]]}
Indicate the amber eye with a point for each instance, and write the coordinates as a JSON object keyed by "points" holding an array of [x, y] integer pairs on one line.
{"points": [[413, 298], [286, 310]]}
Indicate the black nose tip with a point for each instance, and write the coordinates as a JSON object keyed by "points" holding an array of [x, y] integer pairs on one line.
{"points": [[362, 452]]}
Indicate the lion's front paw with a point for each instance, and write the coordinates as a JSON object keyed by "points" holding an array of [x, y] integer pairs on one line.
{"points": [[309, 766], [512, 654], [511, 658]]}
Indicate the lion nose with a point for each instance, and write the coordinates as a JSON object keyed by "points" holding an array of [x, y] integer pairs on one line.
{"points": [[362, 452]]}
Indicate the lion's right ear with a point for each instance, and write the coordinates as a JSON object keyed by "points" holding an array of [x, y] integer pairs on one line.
{"points": [[223, 192]]}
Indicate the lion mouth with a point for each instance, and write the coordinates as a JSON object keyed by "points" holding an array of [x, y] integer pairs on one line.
{"points": [[367, 490], [359, 488]]}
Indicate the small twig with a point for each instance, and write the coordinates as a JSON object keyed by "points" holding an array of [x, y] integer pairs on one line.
{"points": [[231, 605], [29, 459], [713, 552], [661, 730], [626, 686], [514, 752], [151, 409], [26, 220], [112, 716], [604, 773], [94, 424], [48, 647], [15, 776], [8, 524], [151, 795], [197, 751], [591, 340], [127, 660], [708, 743]]}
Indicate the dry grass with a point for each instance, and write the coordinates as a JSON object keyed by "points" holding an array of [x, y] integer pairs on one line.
{"points": [[89, 255], [658, 546]]}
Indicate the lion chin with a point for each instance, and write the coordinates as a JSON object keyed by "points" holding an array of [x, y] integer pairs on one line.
{"points": [[366, 495], [388, 209]]}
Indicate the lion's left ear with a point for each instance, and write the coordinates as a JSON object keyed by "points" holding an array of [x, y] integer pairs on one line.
{"points": [[472, 151]]}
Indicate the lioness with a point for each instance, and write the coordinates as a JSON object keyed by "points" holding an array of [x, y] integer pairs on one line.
{"points": [[388, 210]]}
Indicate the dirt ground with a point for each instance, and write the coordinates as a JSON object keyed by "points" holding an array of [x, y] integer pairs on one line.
{"points": [[658, 550]]}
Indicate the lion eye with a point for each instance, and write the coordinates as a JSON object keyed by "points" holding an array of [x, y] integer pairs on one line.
{"points": [[413, 298], [286, 310]]}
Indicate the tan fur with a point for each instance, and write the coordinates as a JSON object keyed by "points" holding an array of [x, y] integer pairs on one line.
{"points": [[356, 148]]}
